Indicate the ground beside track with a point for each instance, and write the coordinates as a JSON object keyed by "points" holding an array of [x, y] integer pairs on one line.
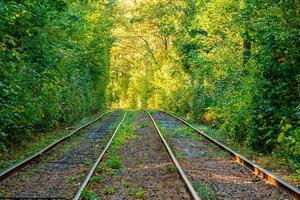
{"points": [[212, 171], [60, 172]]}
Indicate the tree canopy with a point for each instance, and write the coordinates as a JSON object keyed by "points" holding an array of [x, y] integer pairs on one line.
{"points": [[54, 63]]}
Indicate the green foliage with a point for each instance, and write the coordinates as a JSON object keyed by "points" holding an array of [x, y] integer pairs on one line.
{"points": [[108, 190], [171, 168], [88, 195], [113, 162], [205, 191], [97, 179], [137, 193], [99, 170], [54, 59], [124, 134], [126, 184]]}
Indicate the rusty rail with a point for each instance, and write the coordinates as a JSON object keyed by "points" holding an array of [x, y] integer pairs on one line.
{"points": [[187, 182], [34, 157], [256, 169]]}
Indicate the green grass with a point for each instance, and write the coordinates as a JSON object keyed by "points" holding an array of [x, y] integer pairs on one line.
{"points": [[89, 195], [109, 190], [171, 168], [30, 172], [71, 180], [125, 133], [137, 193], [126, 184], [113, 162], [178, 132], [186, 131], [168, 135], [97, 179], [99, 170], [217, 154], [143, 124], [205, 191]]}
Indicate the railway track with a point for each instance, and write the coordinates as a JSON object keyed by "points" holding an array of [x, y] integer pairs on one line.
{"points": [[57, 172], [147, 160], [174, 159], [64, 170], [205, 164]]}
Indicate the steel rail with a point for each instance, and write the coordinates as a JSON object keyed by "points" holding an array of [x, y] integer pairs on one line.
{"points": [[92, 170], [256, 169], [175, 161], [34, 157]]}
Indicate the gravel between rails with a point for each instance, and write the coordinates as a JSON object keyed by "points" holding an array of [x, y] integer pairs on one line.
{"points": [[208, 166], [147, 171], [58, 174]]}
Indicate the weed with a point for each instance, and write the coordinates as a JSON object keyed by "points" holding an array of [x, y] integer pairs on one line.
{"points": [[112, 173], [126, 133], [126, 184], [216, 154], [35, 171], [137, 193], [205, 191], [143, 124], [171, 168], [140, 194], [178, 154], [141, 162], [140, 166], [109, 190], [99, 169], [114, 162], [89, 195], [88, 162], [97, 179], [72, 179]]}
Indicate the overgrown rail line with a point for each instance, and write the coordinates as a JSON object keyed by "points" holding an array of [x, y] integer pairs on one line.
{"points": [[257, 170], [56, 171], [152, 168], [92, 170], [44, 175], [175, 161]]}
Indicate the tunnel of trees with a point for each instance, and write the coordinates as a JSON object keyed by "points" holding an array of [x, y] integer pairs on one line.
{"points": [[233, 65]]}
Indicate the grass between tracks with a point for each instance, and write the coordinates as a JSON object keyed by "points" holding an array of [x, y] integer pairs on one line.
{"points": [[113, 162], [125, 133], [36, 142]]}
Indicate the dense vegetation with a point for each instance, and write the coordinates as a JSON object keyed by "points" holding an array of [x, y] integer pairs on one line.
{"points": [[54, 60], [231, 64]]}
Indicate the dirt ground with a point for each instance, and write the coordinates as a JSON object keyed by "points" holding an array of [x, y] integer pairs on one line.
{"points": [[59, 173], [147, 170], [213, 173]]}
